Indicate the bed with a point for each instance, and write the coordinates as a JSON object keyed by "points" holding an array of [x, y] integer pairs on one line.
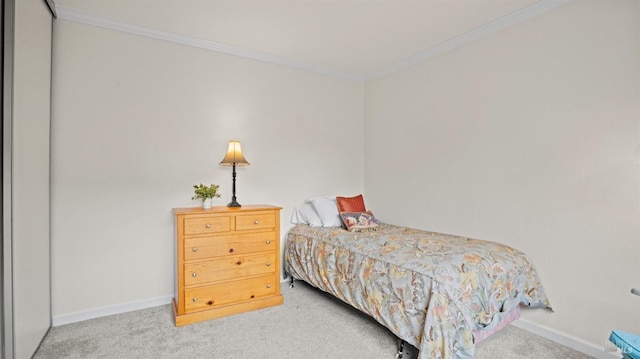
{"points": [[438, 292]]}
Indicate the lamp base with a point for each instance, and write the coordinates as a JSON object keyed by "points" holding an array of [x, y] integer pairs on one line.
{"points": [[234, 203]]}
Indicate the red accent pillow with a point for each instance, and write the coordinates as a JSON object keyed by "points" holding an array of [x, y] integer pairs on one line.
{"points": [[351, 204]]}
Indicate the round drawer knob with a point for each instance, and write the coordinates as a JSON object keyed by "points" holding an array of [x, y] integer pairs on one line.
{"points": [[195, 249], [268, 242], [230, 250], [238, 262], [268, 264], [208, 225], [195, 299], [194, 274], [268, 285], [256, 222]]}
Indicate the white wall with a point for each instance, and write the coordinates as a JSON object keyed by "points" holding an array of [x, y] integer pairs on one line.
{"points": [[30, 180], [137, 122], [526, 137]]}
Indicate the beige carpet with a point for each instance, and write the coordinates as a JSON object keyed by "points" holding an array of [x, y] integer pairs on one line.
{"points": [[309, 325]]}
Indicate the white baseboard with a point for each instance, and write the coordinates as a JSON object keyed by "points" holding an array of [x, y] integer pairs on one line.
{"points": [[109, 310], [596, 351], [115, 309]]}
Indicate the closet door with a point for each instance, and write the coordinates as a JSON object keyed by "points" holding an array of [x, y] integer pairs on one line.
{"points": [[28, 306], [6, 323]]}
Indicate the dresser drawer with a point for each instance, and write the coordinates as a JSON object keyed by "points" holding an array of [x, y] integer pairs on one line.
{"points": [[255, 221], [202, 225], [229, 268], [230, 292], [218, 246]]}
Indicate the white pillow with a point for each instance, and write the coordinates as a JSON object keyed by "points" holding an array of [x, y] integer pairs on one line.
{"points": [[327, 209], [294, 217], [305, 214]]}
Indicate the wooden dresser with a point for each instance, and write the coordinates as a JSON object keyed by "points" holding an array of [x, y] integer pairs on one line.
{"points": [[228, 261]]}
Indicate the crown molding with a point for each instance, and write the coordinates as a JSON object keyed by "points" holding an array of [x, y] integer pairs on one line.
{"points": [[70, 14], [52, 7], [481, 31]]}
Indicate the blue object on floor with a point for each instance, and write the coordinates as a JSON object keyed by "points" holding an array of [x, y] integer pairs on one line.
{"points": [[629, 344]]}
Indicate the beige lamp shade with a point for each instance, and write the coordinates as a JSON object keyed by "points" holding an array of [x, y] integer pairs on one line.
{"points": [[234, 155]]}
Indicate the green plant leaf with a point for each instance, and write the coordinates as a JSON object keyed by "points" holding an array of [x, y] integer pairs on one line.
{"points": [[203, 192]]}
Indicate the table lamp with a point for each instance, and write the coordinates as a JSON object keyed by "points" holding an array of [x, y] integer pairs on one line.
{"points": [[234, 157]]}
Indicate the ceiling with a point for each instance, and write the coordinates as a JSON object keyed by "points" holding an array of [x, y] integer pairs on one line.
{"points": [[357, 38]]}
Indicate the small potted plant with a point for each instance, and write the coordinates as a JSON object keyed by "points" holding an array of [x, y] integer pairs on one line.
{"points": [[206, 193]]}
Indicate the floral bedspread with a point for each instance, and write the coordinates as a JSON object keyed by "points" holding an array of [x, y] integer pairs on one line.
{"points": [[430, 289]]}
